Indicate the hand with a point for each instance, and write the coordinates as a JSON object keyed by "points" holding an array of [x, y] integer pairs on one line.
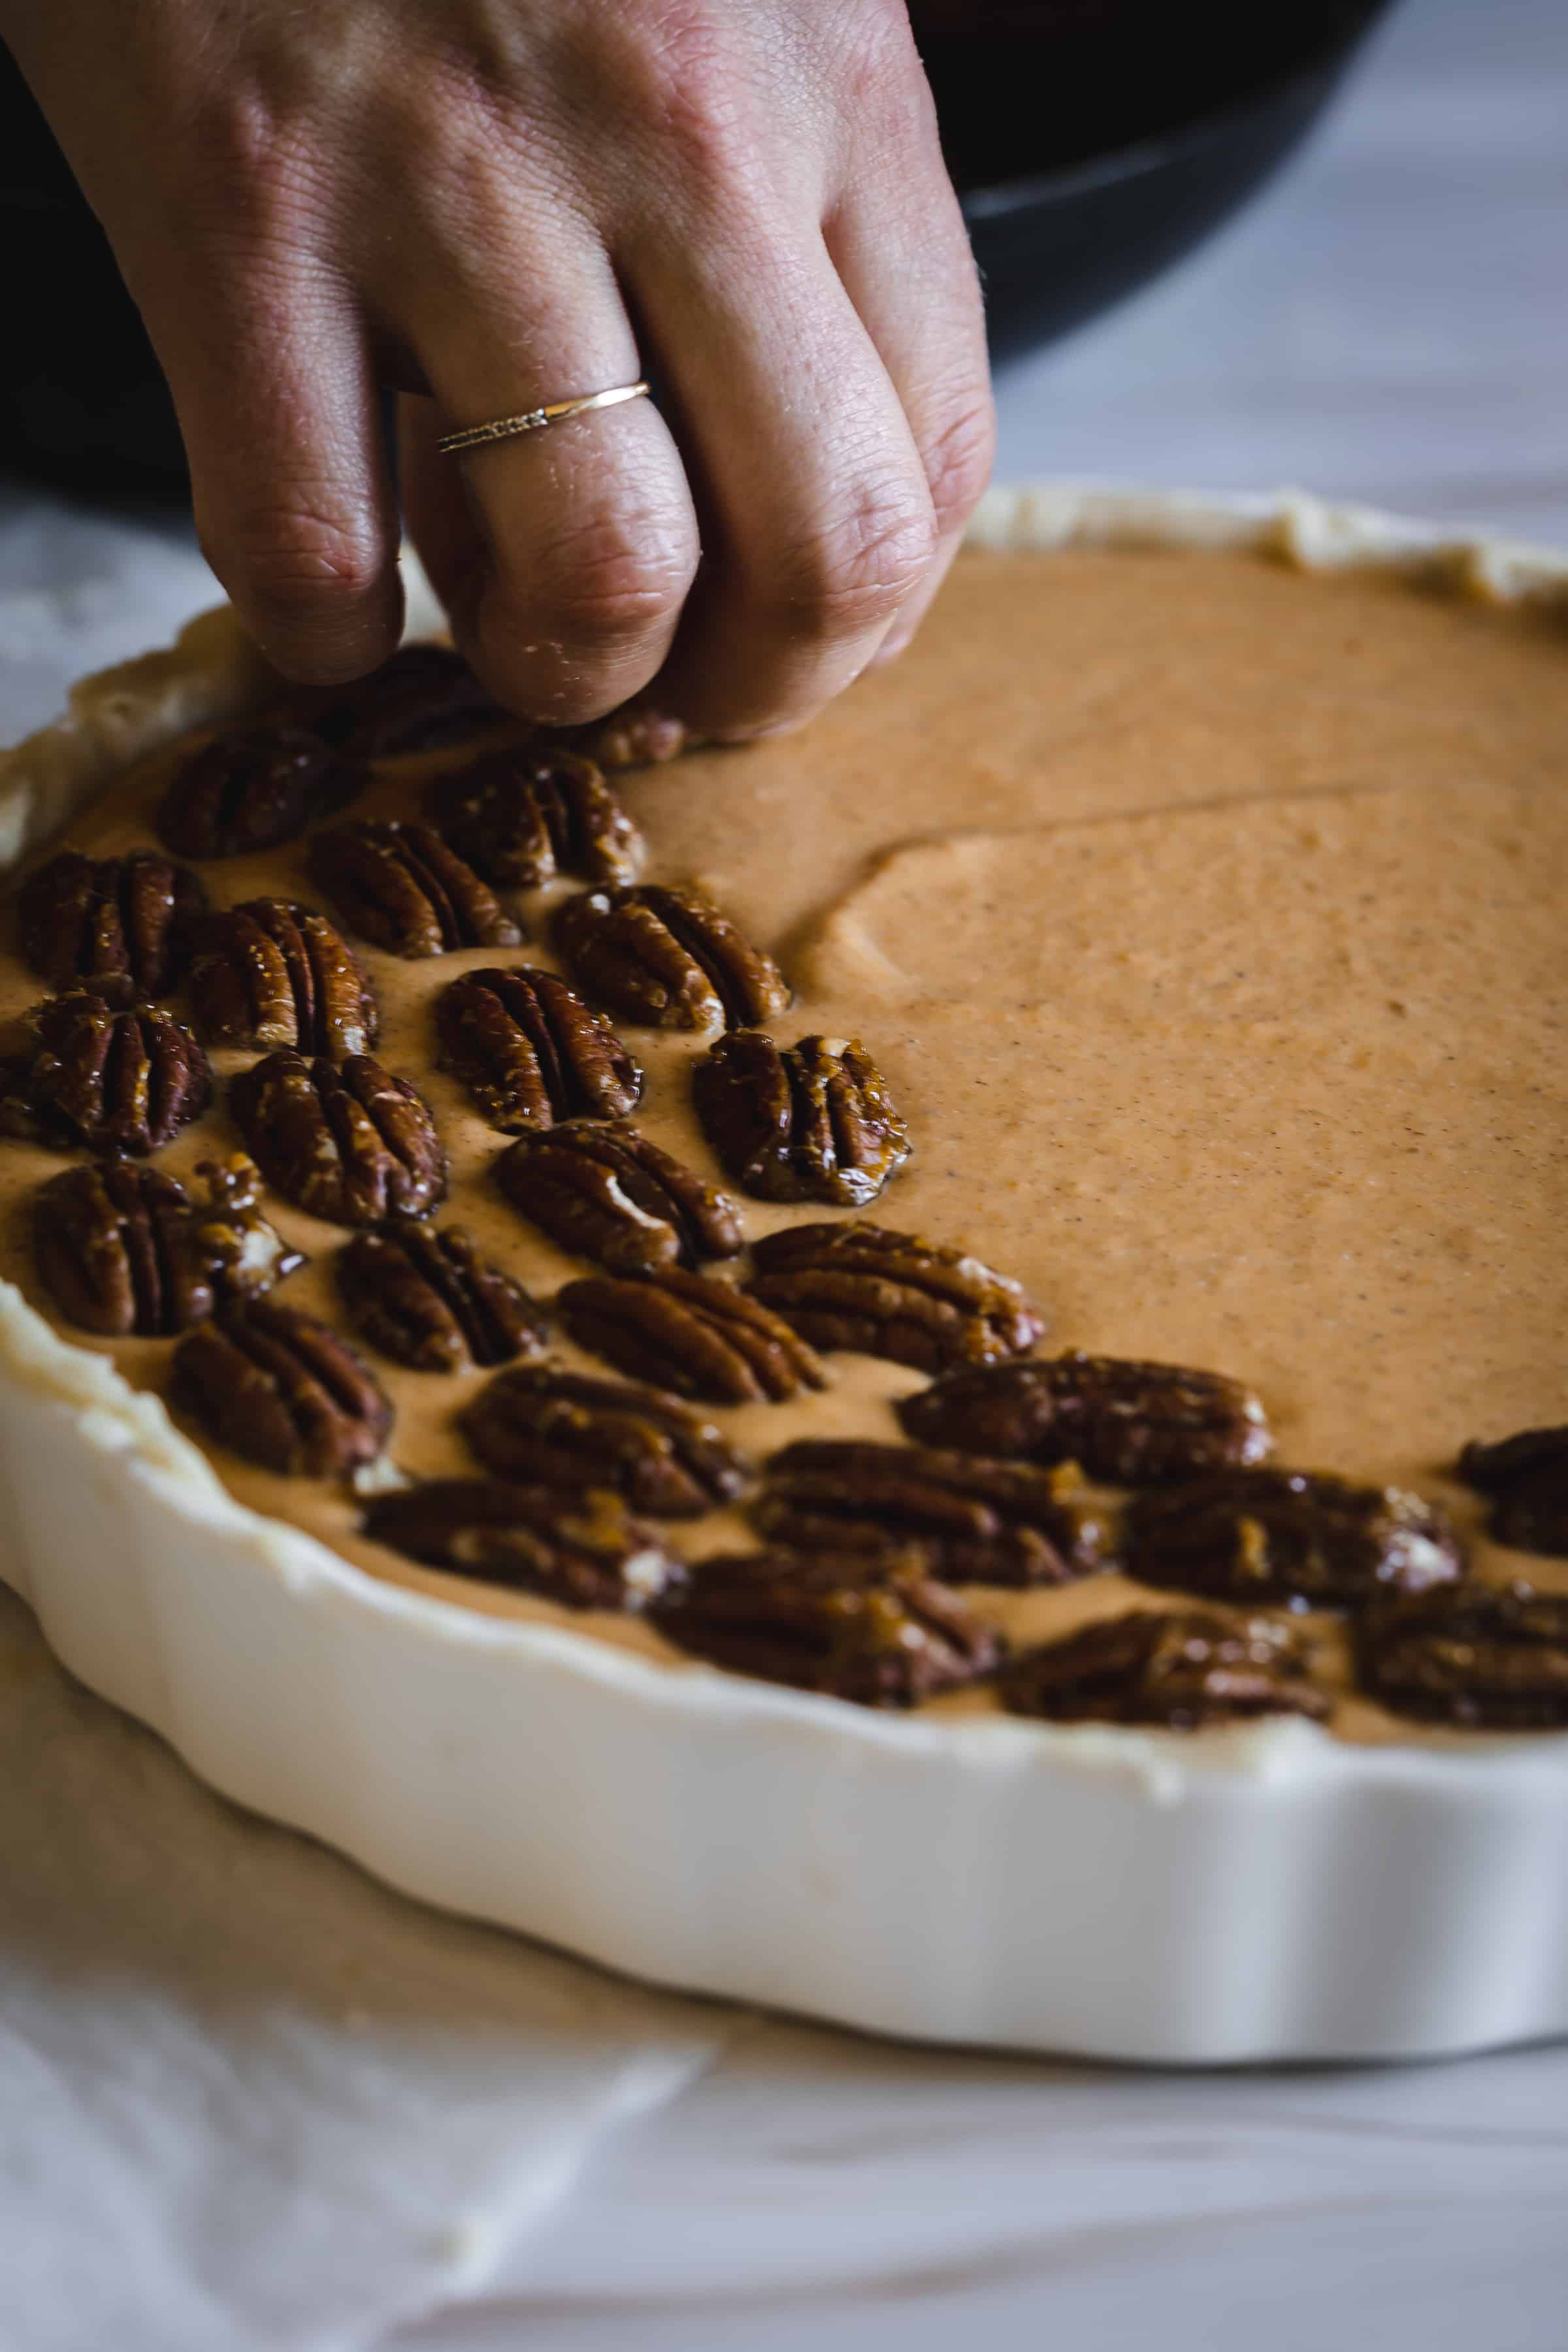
{"points": [[490, 204]]}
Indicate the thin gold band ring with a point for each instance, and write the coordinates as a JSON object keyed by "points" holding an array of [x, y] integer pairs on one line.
{"points": [[534, 420]]}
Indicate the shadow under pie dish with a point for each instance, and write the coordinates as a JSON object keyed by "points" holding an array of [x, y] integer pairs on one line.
{"points": [[1134, 729]]}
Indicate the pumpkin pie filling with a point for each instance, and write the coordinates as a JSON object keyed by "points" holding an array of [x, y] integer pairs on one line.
{"points": [[1205, 921]]}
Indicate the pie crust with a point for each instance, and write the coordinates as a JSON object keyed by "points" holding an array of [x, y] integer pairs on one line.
{"points": [[1267, 1892]]}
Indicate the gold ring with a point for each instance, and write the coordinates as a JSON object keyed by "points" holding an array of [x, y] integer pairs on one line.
{"points": [[534, 420]]}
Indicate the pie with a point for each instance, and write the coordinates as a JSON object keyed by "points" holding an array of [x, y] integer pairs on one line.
{"points": [[1011, 1240]]}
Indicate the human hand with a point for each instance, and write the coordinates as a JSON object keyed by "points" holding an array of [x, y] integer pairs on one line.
{"points": [[493, 204]]}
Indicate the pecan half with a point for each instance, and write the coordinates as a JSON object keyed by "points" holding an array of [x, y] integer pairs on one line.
{"points": [[890, 1294], [269, 972], [1185, 1671], [245, 1251], [522, 816], [253, 788], [281, 1388], [430, 1299], [585, 1553], [681, 1332], [1492, 1468], [530, 1051], [350, 1144], [972, 1521], [423, 698], [115, 1247], [1299, 1537], [607, 1193], [667, 958], [1533, 1517], [124, 1250], [401, 886], [880, 1632], [812, 1121], [120, 926], [1527, 1477], [635, 735], [1131, 1424], [19, 1114], [550, 1428], [116, 1081], [1490, 1657]]}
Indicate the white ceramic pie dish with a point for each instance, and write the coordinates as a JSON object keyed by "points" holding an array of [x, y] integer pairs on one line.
{"points": [[1269, 1893]]}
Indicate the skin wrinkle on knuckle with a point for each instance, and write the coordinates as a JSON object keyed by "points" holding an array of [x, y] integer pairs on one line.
{"points": [[691, 106], [256, 177], [878, 69], [296, 564], [958, 458], [601, 596], [868, 560]]}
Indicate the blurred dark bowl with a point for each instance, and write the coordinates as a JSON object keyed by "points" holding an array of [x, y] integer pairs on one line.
{"points": [[1081, 223], [1093, 142]]}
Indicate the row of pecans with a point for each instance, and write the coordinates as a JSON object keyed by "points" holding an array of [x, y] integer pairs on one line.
{"points": [[854, 1593]]}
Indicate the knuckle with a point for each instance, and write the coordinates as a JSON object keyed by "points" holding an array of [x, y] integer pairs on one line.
{"points": [[879, 64], [857, 572], [254, 177], [295, 565], [958, 457], [609, 581], [690, 91]]}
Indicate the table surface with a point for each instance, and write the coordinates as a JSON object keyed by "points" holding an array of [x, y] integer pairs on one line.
{"points": [[249, 2100]]}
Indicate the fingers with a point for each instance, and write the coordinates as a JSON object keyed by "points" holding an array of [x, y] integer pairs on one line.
{"points": [[564, 556], [908, 271], [818, 521], [294, 506]]}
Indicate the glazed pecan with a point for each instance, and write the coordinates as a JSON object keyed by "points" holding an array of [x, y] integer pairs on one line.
{"points": [[550, 1428], [972, 1521], [681, 1332], [430, 1299], [1130, 1422], [423, 698], [585, 1551], [632, 737], [1490, 1657], [253, 788], [530, 1051], [245, 1253], [890, 1294], [1533, 1516], [115, 1247], [1492, 1468], [401, 886], [522, 816], [667, 958], [125, 1251], [1299, 1536], [1527, 1477], [282, 1390], [269, 972], [607, 1193], [350, 1142], [812, 1121], [116, 1081], [120, 926], [1185, 1671], [19, 1114], [882, 1632]]}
